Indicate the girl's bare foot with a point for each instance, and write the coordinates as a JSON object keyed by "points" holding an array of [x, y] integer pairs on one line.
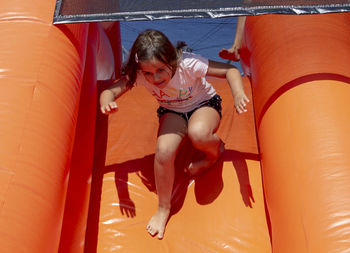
{"points": [[158, 222], [196, 168]]}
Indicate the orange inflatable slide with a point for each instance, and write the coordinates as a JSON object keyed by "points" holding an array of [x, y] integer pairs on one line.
{"points": [[74, 180]]}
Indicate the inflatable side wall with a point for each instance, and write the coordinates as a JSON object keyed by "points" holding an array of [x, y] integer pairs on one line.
{"points": [[41, 78], [103, 60], [48, 107], [300, 73]]}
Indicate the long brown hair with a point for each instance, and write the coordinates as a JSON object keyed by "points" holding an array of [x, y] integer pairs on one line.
{"points": [[150, 44]]}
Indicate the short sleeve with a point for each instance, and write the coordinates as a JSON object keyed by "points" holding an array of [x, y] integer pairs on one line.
{"points": [[196, 64]]}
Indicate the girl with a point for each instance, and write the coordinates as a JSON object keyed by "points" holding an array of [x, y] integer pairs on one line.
{"points": [[189, 106]]}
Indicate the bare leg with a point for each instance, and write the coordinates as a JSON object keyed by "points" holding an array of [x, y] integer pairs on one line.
{"points": [[172, 129], [202, 128]]}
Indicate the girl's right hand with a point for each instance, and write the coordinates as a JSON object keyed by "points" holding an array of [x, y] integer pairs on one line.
{"points": [[109, 108]]}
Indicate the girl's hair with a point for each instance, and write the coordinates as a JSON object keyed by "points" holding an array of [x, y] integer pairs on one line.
{"points": [[150, 44]]}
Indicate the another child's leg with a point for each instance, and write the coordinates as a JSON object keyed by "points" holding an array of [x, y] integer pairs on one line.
{"points": [[202, 128], [172, 129]]}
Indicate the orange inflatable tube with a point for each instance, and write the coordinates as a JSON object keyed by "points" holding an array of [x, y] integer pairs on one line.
{"points": [[300, 74], [73, 180], [41, 76]]}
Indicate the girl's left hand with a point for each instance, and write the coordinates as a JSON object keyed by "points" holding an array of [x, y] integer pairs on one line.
{"points": [[241, 103]]}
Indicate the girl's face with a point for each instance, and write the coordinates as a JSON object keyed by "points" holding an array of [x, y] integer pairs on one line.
{"points": [[156, 72]]}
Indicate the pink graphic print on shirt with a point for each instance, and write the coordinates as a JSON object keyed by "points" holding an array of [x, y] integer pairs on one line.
{"points": [[173, 95]]}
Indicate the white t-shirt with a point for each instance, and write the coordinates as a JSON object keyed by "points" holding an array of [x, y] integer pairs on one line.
{"points": [[188, 87]]}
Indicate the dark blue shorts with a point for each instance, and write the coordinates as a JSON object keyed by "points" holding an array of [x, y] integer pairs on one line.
{"points": [[214, 102]]}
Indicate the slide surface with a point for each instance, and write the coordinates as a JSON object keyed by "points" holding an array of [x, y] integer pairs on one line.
{"points": [[219, 211]]}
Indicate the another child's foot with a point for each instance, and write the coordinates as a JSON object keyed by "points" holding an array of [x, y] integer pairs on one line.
{"points": [[158, 222], [196, 168]]}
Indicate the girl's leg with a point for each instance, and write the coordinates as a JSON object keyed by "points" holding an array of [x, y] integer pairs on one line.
{"points": [[172, 129], [202, 128]]}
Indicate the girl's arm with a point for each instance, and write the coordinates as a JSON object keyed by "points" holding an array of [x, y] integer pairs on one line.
{"points": [[234, 79], [109, 95]]}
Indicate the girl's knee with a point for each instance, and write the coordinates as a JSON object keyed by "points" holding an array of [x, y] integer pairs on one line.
{"points": [[164, 153], [199, 133]]}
